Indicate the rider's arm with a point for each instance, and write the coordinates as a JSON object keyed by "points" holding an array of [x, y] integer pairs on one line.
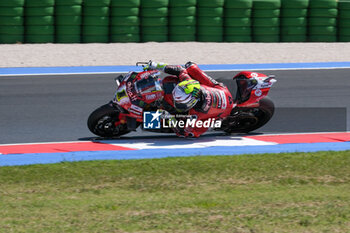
{"points": [[173, 69], [196, 73], [177, 70], [191, 71], [169, 69]]}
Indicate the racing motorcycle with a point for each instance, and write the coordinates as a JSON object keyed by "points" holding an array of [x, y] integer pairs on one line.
{"points": [[138, 92]]}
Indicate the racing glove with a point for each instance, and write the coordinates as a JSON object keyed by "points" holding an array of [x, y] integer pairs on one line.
{"points": [[155, 66], [183, 133]]}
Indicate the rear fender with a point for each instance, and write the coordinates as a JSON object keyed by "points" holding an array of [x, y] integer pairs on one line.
{"points": [[249, 75], [261, 89]]}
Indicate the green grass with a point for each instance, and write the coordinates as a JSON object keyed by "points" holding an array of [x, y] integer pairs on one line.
{"points": [[252, 193]]}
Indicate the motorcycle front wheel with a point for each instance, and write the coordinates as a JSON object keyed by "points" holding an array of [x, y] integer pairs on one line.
{"points": [[104, 122]]}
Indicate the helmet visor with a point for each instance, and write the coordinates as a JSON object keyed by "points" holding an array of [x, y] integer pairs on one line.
{"points": [[182, 100]]}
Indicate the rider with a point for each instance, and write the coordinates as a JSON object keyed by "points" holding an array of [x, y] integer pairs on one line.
{"points": [[196, 93]]}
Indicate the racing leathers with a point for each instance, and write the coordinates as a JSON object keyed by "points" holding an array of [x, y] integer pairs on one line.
{"points": [[215, 100]]}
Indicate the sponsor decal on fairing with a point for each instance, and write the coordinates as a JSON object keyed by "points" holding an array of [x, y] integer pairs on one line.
{"points": [[258, 92]]}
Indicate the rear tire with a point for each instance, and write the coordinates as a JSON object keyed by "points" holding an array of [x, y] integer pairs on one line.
{"points": [[263, 114], [102, 122]]}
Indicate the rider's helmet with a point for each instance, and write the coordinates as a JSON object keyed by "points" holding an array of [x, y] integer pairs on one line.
{"points": [[186, 95]]}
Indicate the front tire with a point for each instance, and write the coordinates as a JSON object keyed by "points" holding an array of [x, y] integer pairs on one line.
{"points": [[104, 121]]}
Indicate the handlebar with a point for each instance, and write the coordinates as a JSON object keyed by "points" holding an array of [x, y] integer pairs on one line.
{"points": [[141, 63]]}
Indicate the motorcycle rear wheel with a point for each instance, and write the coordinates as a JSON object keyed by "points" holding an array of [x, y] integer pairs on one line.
{"points": [[103, 122], [263, 114]]}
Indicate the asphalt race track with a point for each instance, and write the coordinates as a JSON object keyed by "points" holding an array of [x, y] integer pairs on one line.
{"points": [[55, 108]]}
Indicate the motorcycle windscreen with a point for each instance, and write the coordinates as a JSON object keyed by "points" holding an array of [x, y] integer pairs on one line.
{"points": [[148, 85], [244, 88]]}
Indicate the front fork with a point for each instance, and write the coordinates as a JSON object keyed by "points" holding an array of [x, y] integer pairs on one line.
{"points": [[125, 118]]}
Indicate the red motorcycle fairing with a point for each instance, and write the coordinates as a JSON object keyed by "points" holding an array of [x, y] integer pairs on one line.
{"points": [[142, 89], [249, 74], [145, 87], [251, 88]]}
